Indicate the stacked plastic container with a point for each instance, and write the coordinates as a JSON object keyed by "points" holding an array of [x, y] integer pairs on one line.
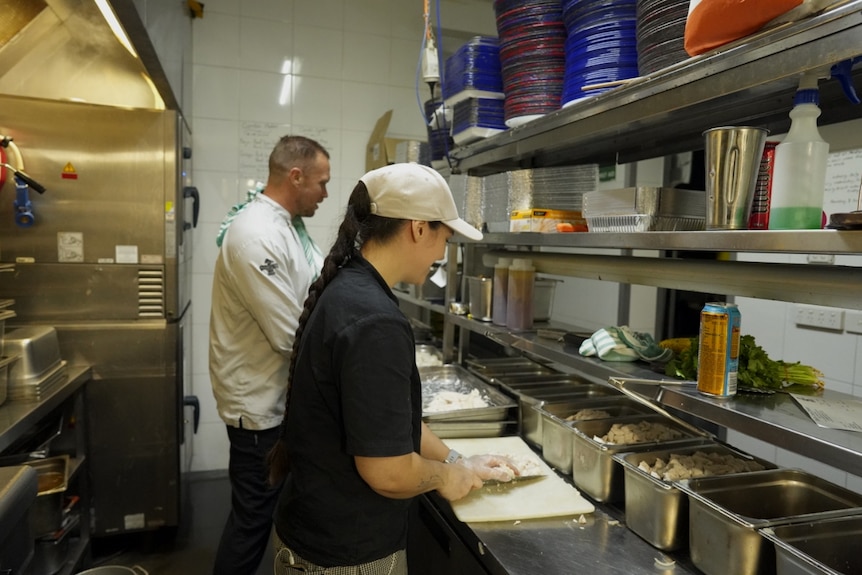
{"points": [[600, 45], [660, 34], [438, 137], [473, 89], [532, 57]]}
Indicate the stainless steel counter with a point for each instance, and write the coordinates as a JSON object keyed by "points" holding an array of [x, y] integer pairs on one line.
{"points": [[601, 545], [17, 417], [775, 419]]}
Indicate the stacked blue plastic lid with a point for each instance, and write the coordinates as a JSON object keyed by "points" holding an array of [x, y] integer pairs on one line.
{"points": [[438, 138], [660, 34], [477, 118], [475, 66], [600, 45], [532, 57]]}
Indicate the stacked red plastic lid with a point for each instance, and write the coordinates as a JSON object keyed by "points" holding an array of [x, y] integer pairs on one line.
{"points": [[532, 57]]}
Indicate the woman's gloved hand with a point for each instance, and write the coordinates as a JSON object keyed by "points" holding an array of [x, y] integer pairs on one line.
{"points": [[495, 467]]}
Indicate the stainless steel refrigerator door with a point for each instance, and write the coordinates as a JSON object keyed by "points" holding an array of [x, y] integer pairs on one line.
{"points": [[134, 405], [114, 180]]}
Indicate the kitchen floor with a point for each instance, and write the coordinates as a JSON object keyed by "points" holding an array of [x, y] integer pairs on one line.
{"points": [[186, 550]]}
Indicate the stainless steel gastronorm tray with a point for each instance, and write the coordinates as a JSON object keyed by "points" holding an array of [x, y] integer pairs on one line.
{"points": [[826, 547], [726, 513], [465, 429], [530, 419], [458, 379], [594, 470], [557, 433], [430, 350], [529, 395], [482, 363], [514, 383], [656, 509], [515, 370]]}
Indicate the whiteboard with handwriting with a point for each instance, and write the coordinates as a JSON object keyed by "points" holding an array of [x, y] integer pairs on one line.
{"points": [[256, 140], [843, 181]]}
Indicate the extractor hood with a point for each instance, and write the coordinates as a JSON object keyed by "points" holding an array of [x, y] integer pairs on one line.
{"points": [[65, 50]]}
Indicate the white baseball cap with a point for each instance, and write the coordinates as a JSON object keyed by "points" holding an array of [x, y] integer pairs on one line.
{"points": [[411, 191]]}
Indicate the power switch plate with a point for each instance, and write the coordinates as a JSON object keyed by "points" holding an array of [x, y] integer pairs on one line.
{"points": [[820, 317], [822, 259], [853, 322]]}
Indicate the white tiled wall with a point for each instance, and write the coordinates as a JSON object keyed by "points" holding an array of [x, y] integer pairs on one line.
{"points": [[349, 62]]}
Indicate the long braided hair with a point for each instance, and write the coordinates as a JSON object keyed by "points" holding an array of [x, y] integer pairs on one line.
{"points": [[359, 226]]}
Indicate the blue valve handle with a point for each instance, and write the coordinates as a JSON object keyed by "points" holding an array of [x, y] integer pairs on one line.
{"points": [[23, 206], [842, 72]]}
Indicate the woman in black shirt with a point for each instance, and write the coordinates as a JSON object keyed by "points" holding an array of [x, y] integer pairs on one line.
{"points": [[353, 439]]}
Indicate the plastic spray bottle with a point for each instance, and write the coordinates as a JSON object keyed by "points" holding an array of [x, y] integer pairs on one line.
{"points": [[519, 301], [799, 175]]}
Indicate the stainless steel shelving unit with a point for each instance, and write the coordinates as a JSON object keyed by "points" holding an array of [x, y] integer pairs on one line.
{"points": [[774, 418], [18, 418], [751, 81], [747, 83], [765, 241]]}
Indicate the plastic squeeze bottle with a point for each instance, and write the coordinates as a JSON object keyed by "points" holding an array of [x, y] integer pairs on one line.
{"points": [[501, 288], [799, 175], [519, 301]]}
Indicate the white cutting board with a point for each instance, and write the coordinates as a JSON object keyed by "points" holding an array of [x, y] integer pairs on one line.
{"points": [[548, 496]]}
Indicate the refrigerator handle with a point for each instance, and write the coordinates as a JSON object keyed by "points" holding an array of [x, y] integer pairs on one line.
{"points": [[192, 400], [192, 192]]}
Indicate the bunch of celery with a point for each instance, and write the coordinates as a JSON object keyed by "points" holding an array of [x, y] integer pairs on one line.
{"points": [[756, 368]]}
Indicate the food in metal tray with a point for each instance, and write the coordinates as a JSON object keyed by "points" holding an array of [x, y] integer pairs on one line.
{"points": [[424, 358], [698, 464], [641, 432], [588, 413], [452, 400]]}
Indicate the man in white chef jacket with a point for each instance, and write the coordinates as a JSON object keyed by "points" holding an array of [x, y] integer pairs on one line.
{"points": [[262, 274]]}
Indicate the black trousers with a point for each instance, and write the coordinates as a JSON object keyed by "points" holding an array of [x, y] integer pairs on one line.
{"points": [[246, 533]]}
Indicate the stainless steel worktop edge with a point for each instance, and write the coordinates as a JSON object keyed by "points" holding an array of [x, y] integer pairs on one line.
{"points": [[17, 416], [598, 543]]}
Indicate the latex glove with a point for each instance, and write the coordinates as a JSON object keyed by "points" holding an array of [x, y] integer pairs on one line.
{"points": [[496, 467]]}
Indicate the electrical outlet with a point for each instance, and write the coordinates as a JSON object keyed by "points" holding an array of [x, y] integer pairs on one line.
{"points": [[853, 322], [820, 317], [823, 259]]}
